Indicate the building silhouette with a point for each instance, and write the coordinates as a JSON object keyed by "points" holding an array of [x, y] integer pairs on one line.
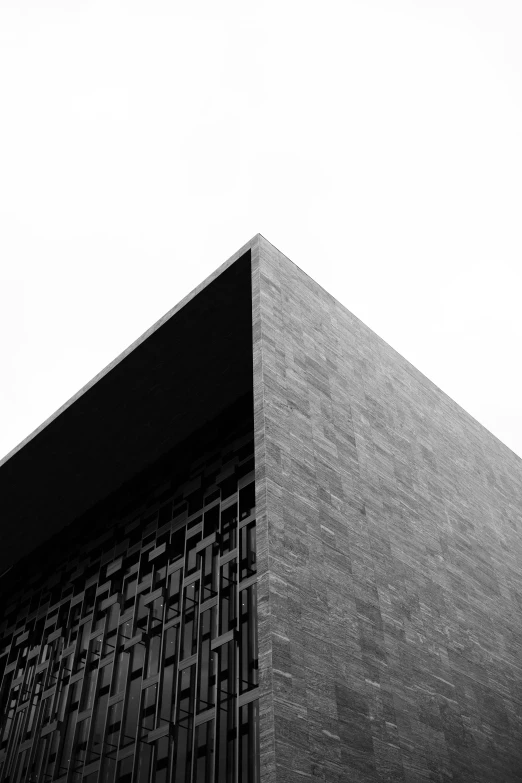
{"points": [[261, 547]]}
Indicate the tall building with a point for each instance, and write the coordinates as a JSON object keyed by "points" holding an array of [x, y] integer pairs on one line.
{"points": [[260, 547]]}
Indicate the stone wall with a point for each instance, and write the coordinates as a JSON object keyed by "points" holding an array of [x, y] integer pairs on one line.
{"points": [[390, 553]]}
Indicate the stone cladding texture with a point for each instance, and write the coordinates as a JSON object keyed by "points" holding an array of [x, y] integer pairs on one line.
{"points": [[390, 557]]}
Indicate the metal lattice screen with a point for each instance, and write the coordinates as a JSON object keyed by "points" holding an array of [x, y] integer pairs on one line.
{"points": [[136, 660]]}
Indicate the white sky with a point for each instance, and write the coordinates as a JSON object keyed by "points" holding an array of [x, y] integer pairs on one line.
{"points": [[377, 144]]}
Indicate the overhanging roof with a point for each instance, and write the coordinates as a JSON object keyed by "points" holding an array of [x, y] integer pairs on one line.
{"points": [[179, 375]]}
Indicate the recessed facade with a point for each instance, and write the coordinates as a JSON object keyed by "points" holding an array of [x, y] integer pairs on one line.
{"points": [[258, 547]]}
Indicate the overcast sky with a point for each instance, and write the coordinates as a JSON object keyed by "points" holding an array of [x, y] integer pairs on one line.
{"points": [[377, 144]]}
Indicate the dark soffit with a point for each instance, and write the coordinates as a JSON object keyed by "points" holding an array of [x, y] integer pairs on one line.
{"points": [[179, 375]]}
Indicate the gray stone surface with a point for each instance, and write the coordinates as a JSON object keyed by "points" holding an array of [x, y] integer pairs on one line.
{"points": [[390, 554]]}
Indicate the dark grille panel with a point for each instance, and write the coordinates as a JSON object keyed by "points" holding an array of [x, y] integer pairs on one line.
{"points": [[136, 659]]}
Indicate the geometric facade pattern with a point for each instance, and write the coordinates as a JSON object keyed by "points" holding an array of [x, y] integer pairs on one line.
{"points": [[135, 657]]}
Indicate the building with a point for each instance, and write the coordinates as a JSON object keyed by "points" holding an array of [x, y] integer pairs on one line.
{"points": [[260, 547]]}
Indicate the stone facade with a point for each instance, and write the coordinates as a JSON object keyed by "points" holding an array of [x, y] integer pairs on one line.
{"points": [[390, 554]]}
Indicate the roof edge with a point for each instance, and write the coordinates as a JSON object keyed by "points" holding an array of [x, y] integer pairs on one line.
{"points": [[250, 245]]}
